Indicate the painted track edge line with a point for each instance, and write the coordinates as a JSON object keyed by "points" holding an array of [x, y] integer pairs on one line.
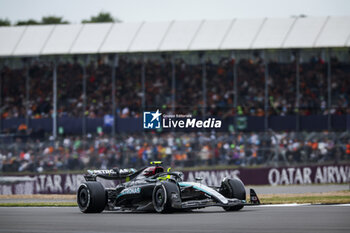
{"points": [[296, 204], [284, 205]]}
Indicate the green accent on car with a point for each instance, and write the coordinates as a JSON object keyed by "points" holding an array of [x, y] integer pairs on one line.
{"points": [[164, 177], [156, 162]]}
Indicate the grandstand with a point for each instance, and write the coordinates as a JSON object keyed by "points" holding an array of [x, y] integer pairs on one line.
{"points": [[260, 76], [205, 35]]}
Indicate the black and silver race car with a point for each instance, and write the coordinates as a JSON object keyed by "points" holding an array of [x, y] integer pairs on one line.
{"points": [[154, 189]]}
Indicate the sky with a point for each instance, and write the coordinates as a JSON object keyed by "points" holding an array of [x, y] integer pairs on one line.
{"points": [[163, 10]]}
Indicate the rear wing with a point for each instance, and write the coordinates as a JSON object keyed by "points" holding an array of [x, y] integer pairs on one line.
{"points": [[110, 174]]}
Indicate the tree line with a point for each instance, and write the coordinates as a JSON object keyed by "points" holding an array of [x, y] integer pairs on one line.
{"points": [[102, 17]]}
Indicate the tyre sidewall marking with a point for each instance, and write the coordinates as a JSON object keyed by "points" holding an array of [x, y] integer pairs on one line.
{"points": [[88, 196], [160, 208]]}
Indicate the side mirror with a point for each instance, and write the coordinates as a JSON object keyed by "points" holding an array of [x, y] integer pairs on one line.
{"points": [[198, 179]]}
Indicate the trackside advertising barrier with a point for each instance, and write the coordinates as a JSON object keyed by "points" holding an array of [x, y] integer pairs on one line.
{"points": [[68, 183]]}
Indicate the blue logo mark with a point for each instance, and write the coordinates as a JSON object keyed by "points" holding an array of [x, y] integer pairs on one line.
{"points": [[151, 120]]}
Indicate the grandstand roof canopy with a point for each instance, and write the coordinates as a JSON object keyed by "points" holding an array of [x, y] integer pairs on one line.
{"points": [[235, 34]]}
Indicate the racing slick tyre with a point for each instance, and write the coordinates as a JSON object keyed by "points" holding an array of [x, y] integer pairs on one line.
{"points": [[163, 195], [233, 188], [91, 197]]}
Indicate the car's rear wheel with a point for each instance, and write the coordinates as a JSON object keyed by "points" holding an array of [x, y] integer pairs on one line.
{"points": [[233, 188], [91, 197]]}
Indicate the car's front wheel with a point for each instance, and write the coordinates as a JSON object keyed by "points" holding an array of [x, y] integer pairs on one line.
{"points": [[159, 199], [91, 197], [164, 195], [233, 188]]}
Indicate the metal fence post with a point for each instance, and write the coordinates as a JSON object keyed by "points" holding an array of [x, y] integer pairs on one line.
{"points": [[173, 84], [54, 115], [235, 77], [143, 83], [204, 88], [235, 90], [84, 96], [329, 77], [114, 66], [1, 106], [266, 123], [297, 104], [27, 67]]}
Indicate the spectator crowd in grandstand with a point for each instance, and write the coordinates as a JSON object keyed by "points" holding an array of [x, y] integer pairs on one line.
{"points": [[180, 149], [189, 98], [73, 152]]}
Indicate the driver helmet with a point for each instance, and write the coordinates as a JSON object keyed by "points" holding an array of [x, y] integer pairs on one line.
{"points": [[150, 171]]}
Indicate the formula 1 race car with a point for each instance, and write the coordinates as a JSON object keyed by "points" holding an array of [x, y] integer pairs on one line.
{"points": [[154, 189]]}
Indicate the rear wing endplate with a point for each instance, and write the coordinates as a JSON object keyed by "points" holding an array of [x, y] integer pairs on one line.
{"points": [[254, 199]]}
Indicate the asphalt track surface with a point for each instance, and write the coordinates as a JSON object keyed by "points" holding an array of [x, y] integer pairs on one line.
{"points": [[282, 189], [251, 219]]}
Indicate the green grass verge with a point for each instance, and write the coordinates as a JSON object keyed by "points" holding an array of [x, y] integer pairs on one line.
{"points": [[307, 199], [39, 204]]}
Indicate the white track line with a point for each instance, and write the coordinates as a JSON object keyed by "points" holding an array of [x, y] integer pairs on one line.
{"points": [[254, 206], [283, 205], [295, 205]]}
